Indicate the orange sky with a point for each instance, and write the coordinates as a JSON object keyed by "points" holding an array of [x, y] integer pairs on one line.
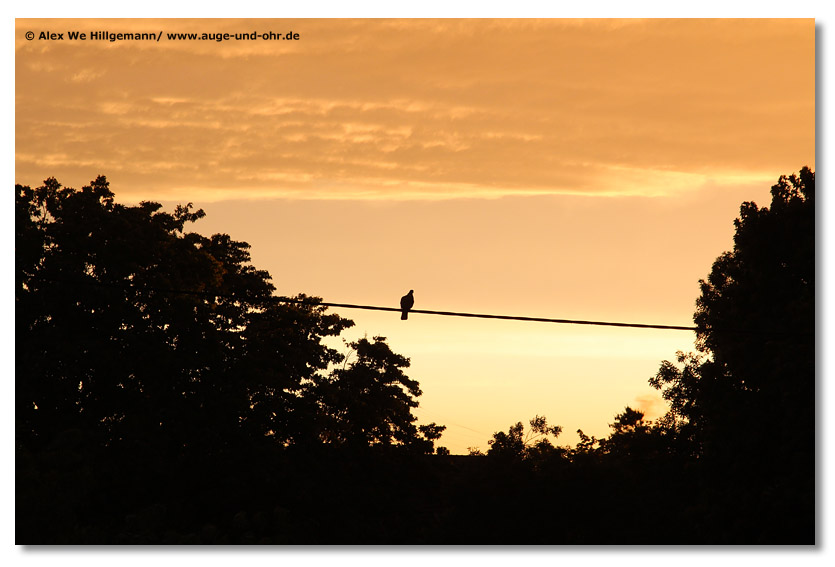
{"points": [[559, 168]]}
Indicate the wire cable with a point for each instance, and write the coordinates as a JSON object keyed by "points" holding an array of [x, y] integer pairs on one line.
{"points": [[505, 317], [316, 302]]}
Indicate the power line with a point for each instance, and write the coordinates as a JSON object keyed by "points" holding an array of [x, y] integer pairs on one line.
{"points": [[281, 299], [505, 317]]}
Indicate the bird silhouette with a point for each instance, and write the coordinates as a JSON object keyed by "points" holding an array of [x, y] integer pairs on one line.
{"points": [[406, 303]]}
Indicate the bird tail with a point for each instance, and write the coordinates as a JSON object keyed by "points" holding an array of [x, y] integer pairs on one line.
{"points": [[404, 316]]}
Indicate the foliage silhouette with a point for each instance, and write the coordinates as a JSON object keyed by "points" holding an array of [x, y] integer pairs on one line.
{"points": [[127, 388], [104, 348], [756, 317], [735, 451], [750, 395], [516, 445], [369, 402], [145, 415]]}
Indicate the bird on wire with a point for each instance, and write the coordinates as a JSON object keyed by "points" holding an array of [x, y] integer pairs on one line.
{"points": [[406, 303]]}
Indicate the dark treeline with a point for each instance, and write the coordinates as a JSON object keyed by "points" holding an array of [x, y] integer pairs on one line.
{"points": [[163, 396]]}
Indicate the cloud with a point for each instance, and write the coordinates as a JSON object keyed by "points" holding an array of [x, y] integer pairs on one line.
{"points": [[652, 405], [420, 108]]}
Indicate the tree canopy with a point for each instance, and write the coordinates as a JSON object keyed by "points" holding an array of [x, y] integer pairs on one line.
{"points": [[755, 322], [164, 395], [135, 330], [736, 448]]}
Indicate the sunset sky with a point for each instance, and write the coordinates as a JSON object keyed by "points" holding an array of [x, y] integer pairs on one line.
{"points": [[575, 169]]}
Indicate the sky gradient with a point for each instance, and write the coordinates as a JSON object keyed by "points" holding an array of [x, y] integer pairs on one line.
{"points": [[579, 169]]}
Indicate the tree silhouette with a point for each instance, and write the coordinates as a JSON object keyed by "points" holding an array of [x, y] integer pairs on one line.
{"points": [[369, 401], [747, 405], [164, 396], [734, 455], [136, 331], [756, 314], [517, 445], [755, 320], [160, 386]]}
